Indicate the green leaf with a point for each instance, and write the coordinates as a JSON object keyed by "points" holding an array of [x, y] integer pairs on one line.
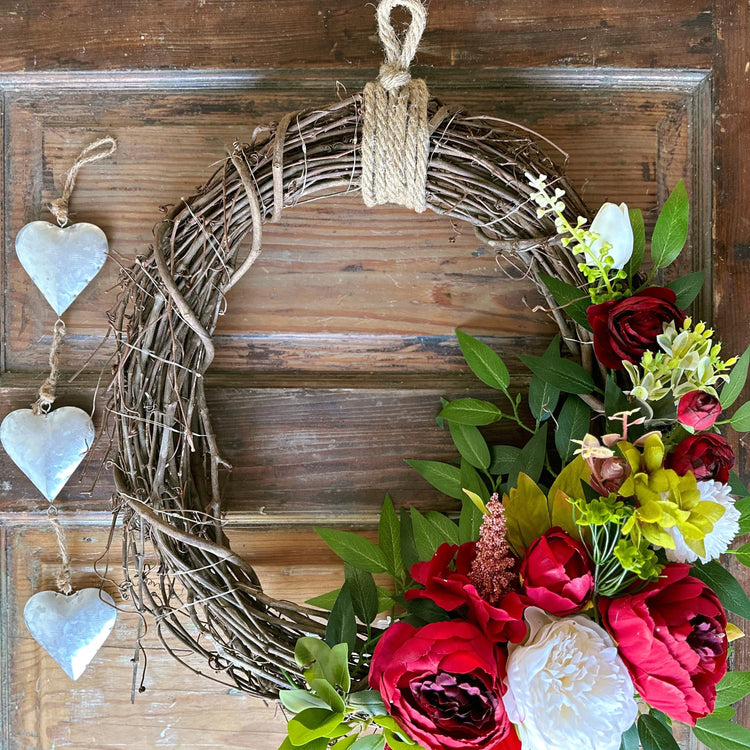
{"points": [[471, 411], [531, 458], [743, 554], [342, 625], [409, 552], [369, 701], [571, 298], [447, 528], [470, 444], [484, 363], [318, 744], [385, 599], [743, 506], [639, 242], [427, 536], [400, 741], [423, 611], [469, 522], [614, 401], [563, 374], [345, 742], [726, 586], [327, 693], [354, 549], [543, 398], [389, 539], [364, 593], [720, 734], [369, 742], [572, 424], [654, 735], [504, 458], [313, 723], [316, 658], [340, 667], [741, 418], [737, 485], [324, 601], [298, 700], [443, 477], [733, 687], [671, 230], [470, 480], [687, 288], [630, 739], [731, 390]]}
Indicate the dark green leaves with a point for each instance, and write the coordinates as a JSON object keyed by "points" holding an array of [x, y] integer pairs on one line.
{"points": [[725, 585], [470, 444], [572, 424], [630, 739], [389, 539], [654, 735], [443, 477], [574, 300], [731, 391], [734, 686], [342, 626], [484, 363], [543, 398], [354, 549], [560, 373], [687, 288], [671, 230], [363, 593], [741, 418]]}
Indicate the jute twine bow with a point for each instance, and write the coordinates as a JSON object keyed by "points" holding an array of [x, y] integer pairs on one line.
{"points": [[395, 133], [93, 152]]}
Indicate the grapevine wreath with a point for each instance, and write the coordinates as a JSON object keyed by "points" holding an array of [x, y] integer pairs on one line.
{"points": [[393, 143]]}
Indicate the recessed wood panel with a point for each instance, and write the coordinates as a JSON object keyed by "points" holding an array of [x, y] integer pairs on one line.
{"points": [[338, 287]]}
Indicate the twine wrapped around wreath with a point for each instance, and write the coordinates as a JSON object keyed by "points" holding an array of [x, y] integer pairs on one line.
{"points": [[206, 599]]}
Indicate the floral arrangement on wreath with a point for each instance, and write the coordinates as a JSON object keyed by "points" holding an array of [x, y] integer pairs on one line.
{"points": [[577, 600]]}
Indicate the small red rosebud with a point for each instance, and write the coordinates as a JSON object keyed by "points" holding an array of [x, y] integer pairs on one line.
{"points": [[698, 410]]}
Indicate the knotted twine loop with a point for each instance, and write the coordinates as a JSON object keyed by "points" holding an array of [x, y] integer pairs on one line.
{"points": [[47, 389], [92, 152], [395, 132], [64, 578]]}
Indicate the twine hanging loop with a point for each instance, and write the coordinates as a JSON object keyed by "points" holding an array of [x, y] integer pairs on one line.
{"points": [[49, 386], [395, 132], [100, 149]]}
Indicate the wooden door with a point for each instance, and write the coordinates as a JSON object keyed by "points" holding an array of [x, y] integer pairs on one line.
{"points": [[334, 352]]}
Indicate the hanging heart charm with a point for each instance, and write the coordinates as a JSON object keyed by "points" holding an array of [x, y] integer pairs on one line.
{"points": [[71, 629], [47, 447], [61, 262]]}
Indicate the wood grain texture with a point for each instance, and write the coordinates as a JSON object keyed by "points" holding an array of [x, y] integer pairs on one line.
{"points": [[296, 33], [339, 286]]}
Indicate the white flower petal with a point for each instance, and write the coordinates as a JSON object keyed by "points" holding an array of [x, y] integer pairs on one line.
{"points": [[612, 224], [567, 686], [723, 533]]}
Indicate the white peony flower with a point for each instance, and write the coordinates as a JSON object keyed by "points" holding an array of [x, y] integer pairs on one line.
{"points": [[721, 536], [567, 686], [612, 224]]}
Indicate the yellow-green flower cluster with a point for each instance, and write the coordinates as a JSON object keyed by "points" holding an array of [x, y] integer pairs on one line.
{"points": [[688, 361], [665, 500], [597, 265]]}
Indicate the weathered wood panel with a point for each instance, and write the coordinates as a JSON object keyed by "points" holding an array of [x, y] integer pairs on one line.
{"points": [[300, 33], [338, 287]]}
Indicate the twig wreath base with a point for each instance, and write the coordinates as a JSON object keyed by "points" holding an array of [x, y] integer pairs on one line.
{"points": [[204, 598]]}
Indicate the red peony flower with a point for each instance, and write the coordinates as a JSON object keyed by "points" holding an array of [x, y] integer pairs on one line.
{"points": [[698, 410], [556, 573], [451, 589], [708, 455], [626, 328], [443, 684], [672, 637]]}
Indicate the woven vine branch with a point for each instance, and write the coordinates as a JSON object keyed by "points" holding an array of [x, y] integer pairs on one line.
{"points": [[205, 599]]}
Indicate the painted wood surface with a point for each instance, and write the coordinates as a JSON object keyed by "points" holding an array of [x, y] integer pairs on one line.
{"points": [[334, 352]]}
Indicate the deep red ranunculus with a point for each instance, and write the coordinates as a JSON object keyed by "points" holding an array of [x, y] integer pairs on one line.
{"points": [[698, 409], [446, 582], [557, 574], [708, 455], [443, 684], [672, 637], [626, 328]]}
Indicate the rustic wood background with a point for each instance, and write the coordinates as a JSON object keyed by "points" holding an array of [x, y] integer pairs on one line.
{"points": [[334, 352]]}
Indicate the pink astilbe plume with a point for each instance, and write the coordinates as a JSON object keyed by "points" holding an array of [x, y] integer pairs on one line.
{"points": [[493, 571]]}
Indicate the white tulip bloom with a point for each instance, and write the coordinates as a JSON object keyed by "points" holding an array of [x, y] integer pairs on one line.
{"points": [[717, 541], [567, 686], [612, 224]]}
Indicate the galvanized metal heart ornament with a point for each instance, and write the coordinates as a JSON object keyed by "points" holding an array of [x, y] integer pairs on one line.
{"points": [[61, 261], [47, 447], [71, 629]]}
